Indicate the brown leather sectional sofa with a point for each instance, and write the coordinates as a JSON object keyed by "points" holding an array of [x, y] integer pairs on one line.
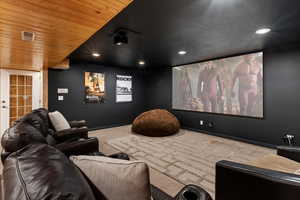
{"points": [[37, 167]]}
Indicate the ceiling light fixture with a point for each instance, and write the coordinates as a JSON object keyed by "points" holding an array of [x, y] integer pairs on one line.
{"points": [[141, 62], [96, 54], [182, 52], [263, 31]]}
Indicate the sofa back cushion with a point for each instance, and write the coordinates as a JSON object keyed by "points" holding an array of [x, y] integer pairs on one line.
{"points": [[58, 121], [115, 179], [38, 119], [20, 135], [41, 172]]}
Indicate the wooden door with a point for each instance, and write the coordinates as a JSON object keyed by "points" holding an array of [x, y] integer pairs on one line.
{"points": [[20, 93]]}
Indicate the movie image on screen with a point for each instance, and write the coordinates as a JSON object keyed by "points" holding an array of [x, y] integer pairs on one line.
{"points": [[232, 86]]}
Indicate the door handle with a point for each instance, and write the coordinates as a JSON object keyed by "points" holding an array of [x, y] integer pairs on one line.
{"points": [[4, 107]]}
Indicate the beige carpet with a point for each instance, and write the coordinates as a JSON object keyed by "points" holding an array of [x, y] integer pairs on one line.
{"points": [[188, 157]]}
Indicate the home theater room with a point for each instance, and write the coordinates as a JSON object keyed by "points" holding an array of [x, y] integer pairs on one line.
{"points": [[150, 99]]}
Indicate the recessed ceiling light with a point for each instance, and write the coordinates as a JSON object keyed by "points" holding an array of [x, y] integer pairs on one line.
{"points": [[96, 54], [263, 31], [141, 62], [182, 52]]}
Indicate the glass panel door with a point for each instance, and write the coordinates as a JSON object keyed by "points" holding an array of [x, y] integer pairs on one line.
{"points": [[20, 93], [20, 90]]}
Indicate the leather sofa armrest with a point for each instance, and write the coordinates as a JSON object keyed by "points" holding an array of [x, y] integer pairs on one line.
{"points": [[79, 147], [289, 152], [72, 133], [237, 181], [78, 124]]}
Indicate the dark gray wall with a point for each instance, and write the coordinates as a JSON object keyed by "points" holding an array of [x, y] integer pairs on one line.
{"points": [[154, 90], [98, 115], [281, 102]]}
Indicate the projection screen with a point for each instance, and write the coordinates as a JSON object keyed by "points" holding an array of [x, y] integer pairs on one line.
{"points": [[232, 86]]}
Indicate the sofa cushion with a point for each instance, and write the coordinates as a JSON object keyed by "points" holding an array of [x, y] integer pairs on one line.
{"points": [[58, 121], [115, 179], [20, 135], [41, 172], [38, 119]]}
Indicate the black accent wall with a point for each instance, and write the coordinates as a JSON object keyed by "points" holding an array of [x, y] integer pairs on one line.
{"points": [[281, 102], [154, 90], [103, 115]]}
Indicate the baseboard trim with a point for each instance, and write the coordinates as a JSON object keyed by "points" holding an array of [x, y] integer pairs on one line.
{"points": [[231, 137], [109, 126]]}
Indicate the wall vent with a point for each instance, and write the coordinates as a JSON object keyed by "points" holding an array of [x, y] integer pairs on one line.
{"points": [[28, 36]]}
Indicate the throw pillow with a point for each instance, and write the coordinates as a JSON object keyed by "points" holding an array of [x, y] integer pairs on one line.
{"points": [[58, 121], [115, 179]]}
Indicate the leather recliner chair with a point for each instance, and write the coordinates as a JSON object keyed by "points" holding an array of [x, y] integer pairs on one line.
{"points": [[236, 181], [35, 127], [41, 172]]}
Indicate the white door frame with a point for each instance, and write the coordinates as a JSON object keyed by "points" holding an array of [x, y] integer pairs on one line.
{"points": [[37, 93]]}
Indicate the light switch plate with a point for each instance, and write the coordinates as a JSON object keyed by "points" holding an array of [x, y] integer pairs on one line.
{"points": [[62, 90], [60, 98]]}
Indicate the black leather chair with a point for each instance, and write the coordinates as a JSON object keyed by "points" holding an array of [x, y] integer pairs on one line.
{"points": [[290, 152], [36, 127], [39, 172], [78, 129], [235, 181]]}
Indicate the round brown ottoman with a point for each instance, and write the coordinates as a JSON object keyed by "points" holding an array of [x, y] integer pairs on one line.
{"points": [[156, 123]]}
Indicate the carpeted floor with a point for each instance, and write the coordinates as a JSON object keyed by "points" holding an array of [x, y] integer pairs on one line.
{"points": [[187, 157]]}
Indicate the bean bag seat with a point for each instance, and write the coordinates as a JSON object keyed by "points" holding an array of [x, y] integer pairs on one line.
{"points": [[156, 123]]}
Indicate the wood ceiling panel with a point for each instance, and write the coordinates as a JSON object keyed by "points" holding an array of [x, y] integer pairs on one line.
{"points": [[59, 26]]}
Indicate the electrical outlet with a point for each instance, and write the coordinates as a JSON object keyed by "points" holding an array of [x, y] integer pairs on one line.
{"points": [[289, 139], [289, 136], [201, 122]]}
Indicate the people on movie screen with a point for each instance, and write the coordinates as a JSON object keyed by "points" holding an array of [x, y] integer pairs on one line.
{"points": [[230, 86], [249, 74], [185, 89], [210, 88]]}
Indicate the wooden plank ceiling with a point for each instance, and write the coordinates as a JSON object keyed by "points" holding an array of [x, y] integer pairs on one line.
{"points": [[60, 26]]}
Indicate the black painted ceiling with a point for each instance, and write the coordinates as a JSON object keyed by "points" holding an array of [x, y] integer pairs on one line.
{"points": [[204, 28]]}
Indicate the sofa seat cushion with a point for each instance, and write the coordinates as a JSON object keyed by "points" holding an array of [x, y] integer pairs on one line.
{"points": [[41, 172], [115, 179], [58, 121], [156, 123]]}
